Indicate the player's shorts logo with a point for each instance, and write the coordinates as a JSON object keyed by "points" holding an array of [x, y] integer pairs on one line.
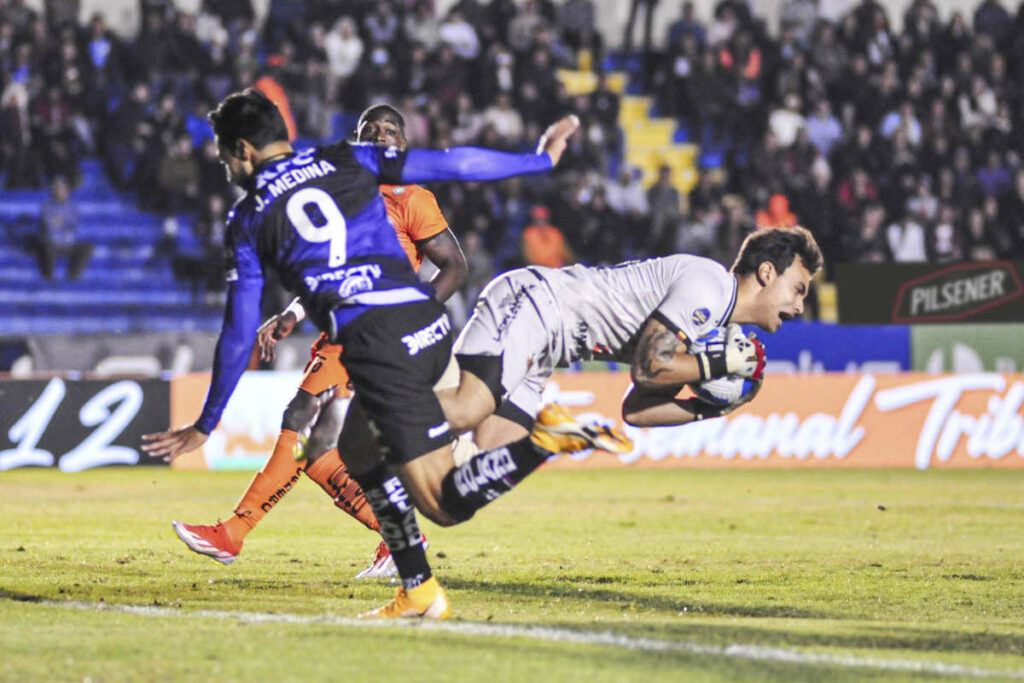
{"points": [[700, 316], [427, 336]]}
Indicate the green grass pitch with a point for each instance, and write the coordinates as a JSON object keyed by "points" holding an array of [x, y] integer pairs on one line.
{"points": [[628, 575]]}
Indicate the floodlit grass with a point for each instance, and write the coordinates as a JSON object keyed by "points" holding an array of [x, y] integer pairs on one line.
{"points": [[900, 566]]}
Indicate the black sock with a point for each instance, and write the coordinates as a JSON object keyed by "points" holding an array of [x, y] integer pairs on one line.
{"points": [[398, 526], [487, 475]]}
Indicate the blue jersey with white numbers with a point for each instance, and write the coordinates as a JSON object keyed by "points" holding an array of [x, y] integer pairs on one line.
{"points": [[316, 218]]}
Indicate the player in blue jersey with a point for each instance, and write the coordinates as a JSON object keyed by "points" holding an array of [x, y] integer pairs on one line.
{"points": [[317, 219]]}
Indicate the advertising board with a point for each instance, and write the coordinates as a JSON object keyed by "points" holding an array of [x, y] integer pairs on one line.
{"points": [[825, 420], [994, 347], [817, 347], [251, 422], [912, 293], [77, 425], [830, 420]]}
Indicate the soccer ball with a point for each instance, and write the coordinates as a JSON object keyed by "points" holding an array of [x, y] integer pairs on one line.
{"points": [[722, 391]]}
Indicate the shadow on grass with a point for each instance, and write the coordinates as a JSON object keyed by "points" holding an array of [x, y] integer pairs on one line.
{"points": [[626, 599], [871, 636], [19, 597]]}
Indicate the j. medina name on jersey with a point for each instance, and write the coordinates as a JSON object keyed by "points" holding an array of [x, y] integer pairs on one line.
{"points": [[286, 175]]}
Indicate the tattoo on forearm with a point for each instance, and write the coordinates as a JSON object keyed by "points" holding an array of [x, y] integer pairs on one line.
{"points": [[656, 349]]}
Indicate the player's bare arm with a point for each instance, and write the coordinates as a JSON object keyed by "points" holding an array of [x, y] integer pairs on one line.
{"points": [[276, 328], [655, 407], [660, 367], [661, 360], [172, 443], [444, 252]]}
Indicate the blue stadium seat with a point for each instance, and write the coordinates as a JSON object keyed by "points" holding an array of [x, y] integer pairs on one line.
{"points": [[128, 285]]}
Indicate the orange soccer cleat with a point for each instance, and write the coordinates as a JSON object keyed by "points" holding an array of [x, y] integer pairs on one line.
{"points": [[556, 430], [427, 601]]}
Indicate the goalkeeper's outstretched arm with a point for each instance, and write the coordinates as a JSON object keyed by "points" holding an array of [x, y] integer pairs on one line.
{"points": [[662, 360], [645, 407], [661, 366]]}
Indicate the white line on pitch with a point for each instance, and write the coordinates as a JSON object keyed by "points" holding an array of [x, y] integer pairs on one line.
{"points": [[547, 633]]}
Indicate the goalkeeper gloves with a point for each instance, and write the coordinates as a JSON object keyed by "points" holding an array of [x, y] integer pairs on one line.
{"points": [[735, 354]]}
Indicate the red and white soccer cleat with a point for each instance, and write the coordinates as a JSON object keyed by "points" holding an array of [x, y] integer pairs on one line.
{"points": [[211, 540], [383, 564]]}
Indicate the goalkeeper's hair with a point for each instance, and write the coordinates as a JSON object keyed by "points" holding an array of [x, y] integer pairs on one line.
{"points": [[778, 246]]}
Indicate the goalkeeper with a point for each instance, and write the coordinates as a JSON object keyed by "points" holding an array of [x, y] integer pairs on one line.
{"points": [[649, 313]]}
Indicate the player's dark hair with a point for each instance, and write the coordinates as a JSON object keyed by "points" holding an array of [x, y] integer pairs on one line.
{"points": [[778, 246], [248, 115], [377, 112]]}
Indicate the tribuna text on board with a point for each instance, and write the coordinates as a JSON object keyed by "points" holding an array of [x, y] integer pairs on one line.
{"points": [[748, 435]]}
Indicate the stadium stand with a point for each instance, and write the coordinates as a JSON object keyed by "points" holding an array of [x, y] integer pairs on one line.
{"points": [[919, 161]]}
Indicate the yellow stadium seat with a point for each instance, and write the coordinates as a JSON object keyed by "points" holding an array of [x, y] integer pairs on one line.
{"points": [[580, 82], [633, 108], [681, 155], [828, 301]]}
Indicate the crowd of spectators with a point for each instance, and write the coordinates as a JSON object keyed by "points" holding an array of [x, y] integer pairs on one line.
{"points": [[888, 145]]}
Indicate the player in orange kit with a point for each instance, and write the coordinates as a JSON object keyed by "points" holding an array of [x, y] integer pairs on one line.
{"points": [[423, 232]]}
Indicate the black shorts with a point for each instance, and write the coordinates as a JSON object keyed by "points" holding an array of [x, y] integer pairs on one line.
{"points": [[394, 356]]}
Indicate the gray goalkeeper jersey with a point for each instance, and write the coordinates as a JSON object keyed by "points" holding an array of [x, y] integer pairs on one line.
{"points": [[538, 318], [602, 310]]}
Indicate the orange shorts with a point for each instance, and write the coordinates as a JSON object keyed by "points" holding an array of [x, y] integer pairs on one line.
{"points": [[324, 369]]}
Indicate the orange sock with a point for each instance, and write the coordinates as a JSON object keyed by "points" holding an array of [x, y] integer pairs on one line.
{"points": [[330, 473], [268, 487]]}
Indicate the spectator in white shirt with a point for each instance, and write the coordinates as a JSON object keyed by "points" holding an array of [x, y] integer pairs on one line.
{"points": [[626, 194], [787, 121], [505, 120], [461, 35], [905, 118], [422, 26], [344, 48], [907, 240]]}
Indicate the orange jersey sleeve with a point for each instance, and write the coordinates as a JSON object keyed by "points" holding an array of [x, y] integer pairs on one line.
{"points": [[414, 213]]}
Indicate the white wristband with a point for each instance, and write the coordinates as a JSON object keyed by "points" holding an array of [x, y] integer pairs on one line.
{"points": [[296, 309]]}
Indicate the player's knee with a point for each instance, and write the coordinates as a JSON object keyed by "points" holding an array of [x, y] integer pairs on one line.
{"points": [[439, 514], [313, 456], [426, 494], [485, 368], [316, 446], [300, 411], [439, 517], [466, 407]]}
